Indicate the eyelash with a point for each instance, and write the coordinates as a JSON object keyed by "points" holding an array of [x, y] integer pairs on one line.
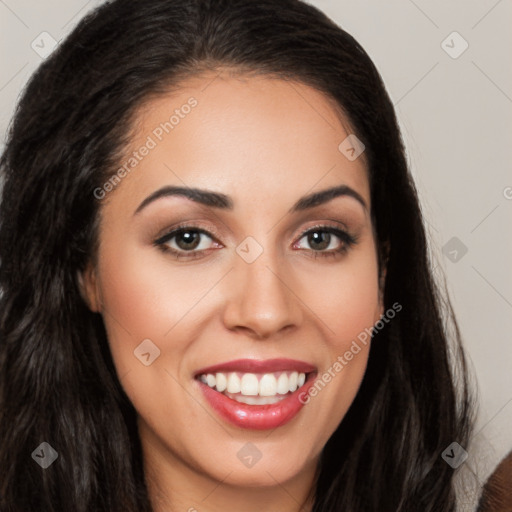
{"points": [[348, 241]]}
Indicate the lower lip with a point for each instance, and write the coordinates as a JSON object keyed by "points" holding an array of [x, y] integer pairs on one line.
{"points": [[256, 417]]}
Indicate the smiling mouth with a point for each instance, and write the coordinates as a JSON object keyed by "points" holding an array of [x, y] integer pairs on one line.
{"points": [[256, 394], [256, 388]]}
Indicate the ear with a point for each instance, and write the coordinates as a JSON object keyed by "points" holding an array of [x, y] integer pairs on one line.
{"points": [[382, 276], [88, 284], [382, 283]]}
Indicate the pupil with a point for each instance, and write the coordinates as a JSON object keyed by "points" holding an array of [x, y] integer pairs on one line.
{"points": [[316, 238], [191, 239]]}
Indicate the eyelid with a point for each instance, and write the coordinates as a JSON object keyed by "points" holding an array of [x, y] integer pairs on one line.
{"points": [[183, 226], [347, 238], [338, 225], [340, 230], [210, 230]]}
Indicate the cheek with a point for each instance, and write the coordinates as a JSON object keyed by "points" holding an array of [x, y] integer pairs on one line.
{"points": [[146, 296], [143, 295], [144, 299], [344, 297]]}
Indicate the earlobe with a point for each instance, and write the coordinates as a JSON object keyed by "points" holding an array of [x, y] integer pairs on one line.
{"points": [[89, 288], [382, 283], [382, 275]]}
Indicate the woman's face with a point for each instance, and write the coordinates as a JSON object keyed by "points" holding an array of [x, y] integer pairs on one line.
{"points": [[262, 291]]}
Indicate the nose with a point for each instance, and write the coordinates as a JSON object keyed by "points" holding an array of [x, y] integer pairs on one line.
{"points": [[261, 299]]}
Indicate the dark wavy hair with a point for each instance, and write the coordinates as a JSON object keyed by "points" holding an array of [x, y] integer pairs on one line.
{"points": [[57, 380]]}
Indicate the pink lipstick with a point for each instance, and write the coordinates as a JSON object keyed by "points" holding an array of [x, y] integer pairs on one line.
{"points": [[256, 394]]}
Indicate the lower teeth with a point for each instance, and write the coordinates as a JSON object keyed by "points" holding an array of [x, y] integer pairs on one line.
{"points": [[255, 400]]}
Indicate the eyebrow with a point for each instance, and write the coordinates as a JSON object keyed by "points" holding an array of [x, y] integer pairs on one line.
{"points": [[224, 202]]}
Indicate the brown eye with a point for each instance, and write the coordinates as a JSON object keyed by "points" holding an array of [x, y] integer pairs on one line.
{"points": [[188, 240], [184, 240], [321, 238]]}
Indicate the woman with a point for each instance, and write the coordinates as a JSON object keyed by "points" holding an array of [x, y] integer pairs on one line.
{"points": [[215, 283]]}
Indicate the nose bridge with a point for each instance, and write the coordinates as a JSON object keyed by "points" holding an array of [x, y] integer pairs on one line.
{"points": [[262, 298]]}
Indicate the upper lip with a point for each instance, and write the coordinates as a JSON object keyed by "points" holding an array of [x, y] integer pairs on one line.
{"points": [[259, 366]]}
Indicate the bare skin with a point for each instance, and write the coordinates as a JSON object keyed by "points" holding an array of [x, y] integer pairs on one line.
{"points": [[266, 143]]}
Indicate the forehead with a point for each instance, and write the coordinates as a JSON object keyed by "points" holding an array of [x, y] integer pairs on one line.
{"points": [[252, 137]]}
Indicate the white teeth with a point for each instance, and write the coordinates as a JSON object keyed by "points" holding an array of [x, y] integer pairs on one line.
{"points": [[249, 384], [256, 400], [233, 383], [282, 384], [222, 382], [268, 385], [292, 381]]}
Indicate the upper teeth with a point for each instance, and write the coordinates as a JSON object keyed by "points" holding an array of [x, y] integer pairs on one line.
{"points": [[252, 384]]}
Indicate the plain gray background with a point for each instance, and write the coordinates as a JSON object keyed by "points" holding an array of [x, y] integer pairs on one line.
{"points": [[454, 108]]}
